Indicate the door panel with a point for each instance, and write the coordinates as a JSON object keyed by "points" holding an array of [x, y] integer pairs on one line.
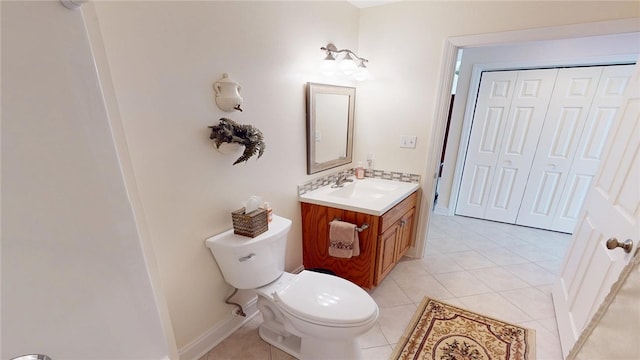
{"points": [[531, 98], [546, 193], [492, 108], [566, 133], [506, 180], [583, 310], [571, 202], [479, 186], [492, 128], [517, 135], [568, 109], [386, 257], [603, 110], [406, 229], [612, 209]]}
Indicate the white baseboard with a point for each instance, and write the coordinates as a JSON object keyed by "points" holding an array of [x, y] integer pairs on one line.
{"points": [[215, 335]]}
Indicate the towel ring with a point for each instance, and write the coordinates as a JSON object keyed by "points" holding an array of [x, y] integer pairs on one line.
{"points": [[361, 228]]}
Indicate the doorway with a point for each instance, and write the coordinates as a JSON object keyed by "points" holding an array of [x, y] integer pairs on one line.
{"points": [[502, 51], [492, 43], [488, 55], [536, 141]]}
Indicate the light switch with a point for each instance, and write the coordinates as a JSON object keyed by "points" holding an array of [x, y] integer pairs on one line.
{"points": [[407, 141]]}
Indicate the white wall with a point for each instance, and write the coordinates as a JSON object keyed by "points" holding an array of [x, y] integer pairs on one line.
{"points": [[164, 58], [581, 51], [74, 278]]}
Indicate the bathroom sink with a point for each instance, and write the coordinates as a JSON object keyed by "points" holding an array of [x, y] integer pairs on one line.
{"points": [[369, 195], [365, 189]]}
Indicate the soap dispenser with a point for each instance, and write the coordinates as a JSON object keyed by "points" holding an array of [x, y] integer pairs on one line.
{"points": [[359, 171]]}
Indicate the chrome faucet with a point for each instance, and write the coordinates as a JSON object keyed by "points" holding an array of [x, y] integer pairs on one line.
{"points": [[342, 178]]}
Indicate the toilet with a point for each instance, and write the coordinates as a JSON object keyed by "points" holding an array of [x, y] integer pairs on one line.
{"points": [[309, 315]]}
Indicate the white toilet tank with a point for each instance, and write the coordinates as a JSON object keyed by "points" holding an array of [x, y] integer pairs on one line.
{"points": [[248, 263]]}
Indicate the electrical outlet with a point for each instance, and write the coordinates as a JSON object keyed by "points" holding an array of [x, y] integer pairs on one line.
{"points": [[407, 141]]}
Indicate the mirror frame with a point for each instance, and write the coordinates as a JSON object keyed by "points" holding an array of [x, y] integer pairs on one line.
{"points": [[314, 89]]}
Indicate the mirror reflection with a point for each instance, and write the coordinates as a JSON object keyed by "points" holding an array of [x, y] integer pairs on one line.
{"points": [[330, 112]]}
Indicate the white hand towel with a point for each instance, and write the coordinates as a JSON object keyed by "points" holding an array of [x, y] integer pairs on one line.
{"points": [[343, 239]]}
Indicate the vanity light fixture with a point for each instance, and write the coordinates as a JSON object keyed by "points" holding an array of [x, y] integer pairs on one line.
{"points": [[351, 66]]}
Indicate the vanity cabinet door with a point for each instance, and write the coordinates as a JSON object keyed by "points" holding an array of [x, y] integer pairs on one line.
{"points": [[405, 234], [387, 243], [396, 235]]}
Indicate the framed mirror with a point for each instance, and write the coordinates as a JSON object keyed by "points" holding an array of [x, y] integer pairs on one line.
{"points": [[330, 114]]}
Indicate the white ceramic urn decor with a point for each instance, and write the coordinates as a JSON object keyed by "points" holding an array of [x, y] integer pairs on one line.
{"points": [[228, 96]]}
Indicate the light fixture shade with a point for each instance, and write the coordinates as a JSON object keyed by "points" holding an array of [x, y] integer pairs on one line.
{"points": [[328, 67], [347, 65], [329, 56], [362, 74]]}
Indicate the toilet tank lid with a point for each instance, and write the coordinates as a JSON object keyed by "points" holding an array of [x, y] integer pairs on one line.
{"points": [[277, 226]]}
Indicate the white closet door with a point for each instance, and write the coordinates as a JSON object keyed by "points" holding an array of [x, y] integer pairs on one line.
{"points": [[604, 109], [584, 101], [526, 117], [565, 120], [492, 109]]}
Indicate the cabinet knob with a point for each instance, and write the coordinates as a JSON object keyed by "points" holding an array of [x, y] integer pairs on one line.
{"points": [[403, 222]]}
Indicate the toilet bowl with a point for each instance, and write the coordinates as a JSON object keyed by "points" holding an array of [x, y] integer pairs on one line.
{"points": [[326, 312], [309, 315]]}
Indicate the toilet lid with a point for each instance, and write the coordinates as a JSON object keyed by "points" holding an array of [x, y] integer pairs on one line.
{"points": [[326, 299]]}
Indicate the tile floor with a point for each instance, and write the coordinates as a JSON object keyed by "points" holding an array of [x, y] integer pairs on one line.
{"points": [[499, 270]]}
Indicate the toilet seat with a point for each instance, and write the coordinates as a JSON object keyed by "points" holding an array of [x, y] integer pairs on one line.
{"points": [[326, 300]]}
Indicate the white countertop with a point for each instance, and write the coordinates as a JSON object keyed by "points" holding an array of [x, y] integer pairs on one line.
{"points": [[369, 195]]}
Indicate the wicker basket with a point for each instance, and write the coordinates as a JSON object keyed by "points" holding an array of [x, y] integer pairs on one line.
{"points": [[251, 224]]}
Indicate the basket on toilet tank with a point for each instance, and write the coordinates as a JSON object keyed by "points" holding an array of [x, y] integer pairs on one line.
{"points": [[249, 224]]}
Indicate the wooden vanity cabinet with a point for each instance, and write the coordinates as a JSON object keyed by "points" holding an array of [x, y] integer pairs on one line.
{"points": [[393, 243], [381, 245], [315, 243]]}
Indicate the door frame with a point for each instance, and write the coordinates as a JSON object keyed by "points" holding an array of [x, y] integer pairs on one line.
{"points": [[447, 70]]}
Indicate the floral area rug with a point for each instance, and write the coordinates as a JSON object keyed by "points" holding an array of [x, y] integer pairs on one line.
{"points": [[439, 331]]}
